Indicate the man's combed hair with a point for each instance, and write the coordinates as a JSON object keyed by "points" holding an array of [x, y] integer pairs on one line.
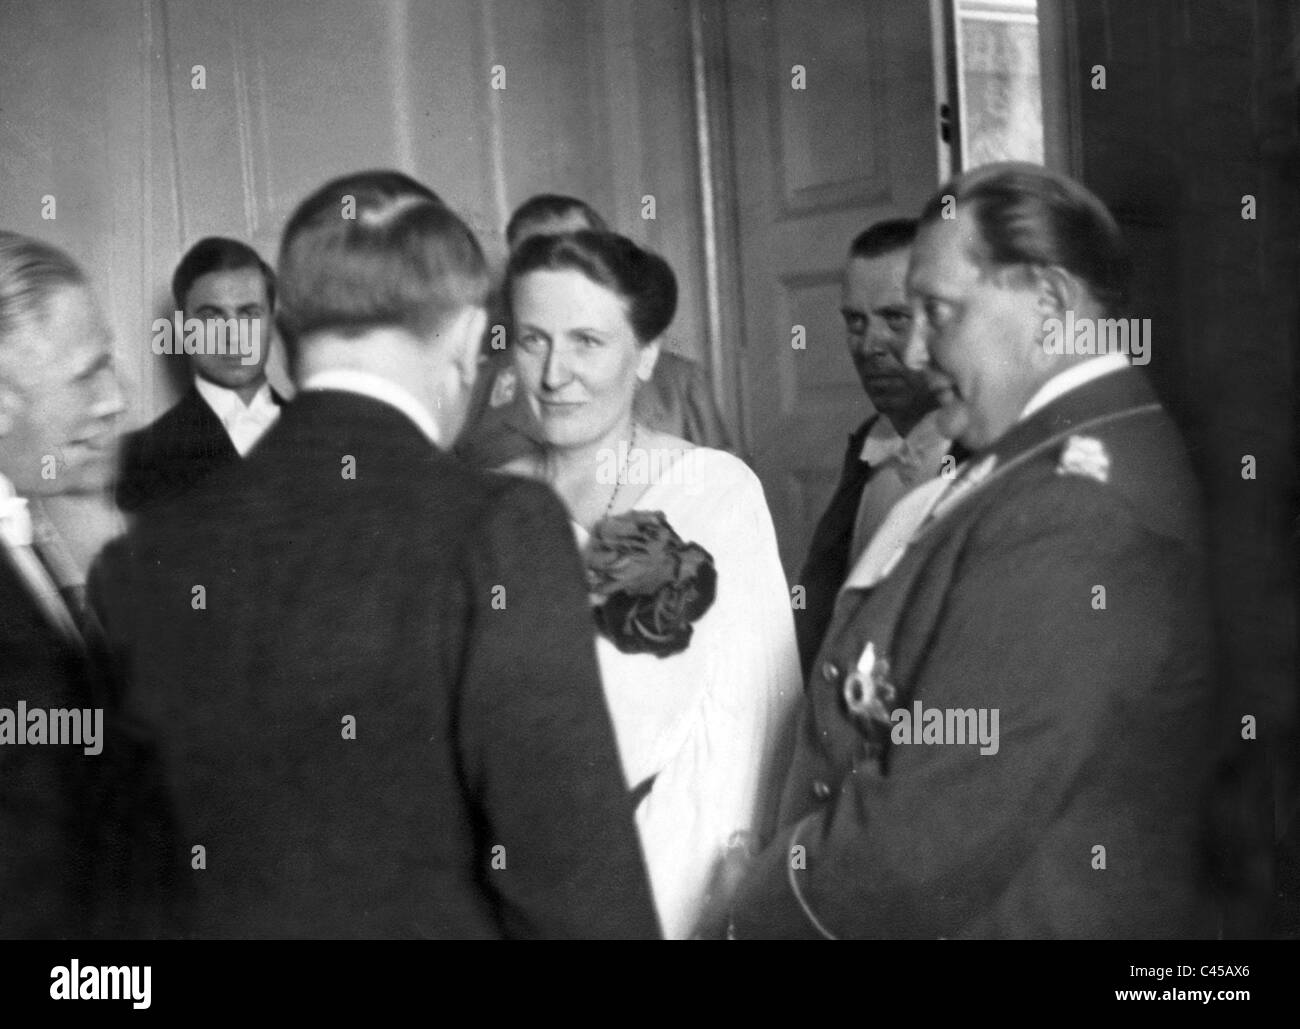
{"points": [[30, 272], [375, 250], [1028, 215], [641, 278], [551, 205], [218, 254], [884, 238]]}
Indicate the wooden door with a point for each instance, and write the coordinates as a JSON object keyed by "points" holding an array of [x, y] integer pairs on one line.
{"points": [[833, 125]]}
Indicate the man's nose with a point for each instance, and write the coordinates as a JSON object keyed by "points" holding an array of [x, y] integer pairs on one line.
{"points": [[916, 354], [870, 343], [111, 398]]}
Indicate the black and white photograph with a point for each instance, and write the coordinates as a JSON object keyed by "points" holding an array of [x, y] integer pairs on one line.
{"points": [[649, 470]]}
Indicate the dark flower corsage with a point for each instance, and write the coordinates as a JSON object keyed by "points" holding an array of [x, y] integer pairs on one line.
{"points": [[647, 584]]}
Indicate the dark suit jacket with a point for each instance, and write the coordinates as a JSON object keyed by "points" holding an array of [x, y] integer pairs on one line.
{"points": [[436, 614], [173, 454], [676, 400], [43, 862], [827, 565], [1103, 713]]}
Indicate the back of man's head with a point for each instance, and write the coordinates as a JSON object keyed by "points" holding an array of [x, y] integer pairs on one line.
{"points": [[375, 250], [1030, 216]]}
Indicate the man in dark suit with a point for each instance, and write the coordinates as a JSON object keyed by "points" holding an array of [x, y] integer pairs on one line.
{"points": [[895, 449], [677, 399], [1006, 732], [371, 670], [59, 400], [223, 284]]}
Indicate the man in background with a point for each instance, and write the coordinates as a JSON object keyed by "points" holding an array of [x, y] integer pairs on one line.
{"points": [[229, 403], [371, 670], [896, 449], [676, 400]]}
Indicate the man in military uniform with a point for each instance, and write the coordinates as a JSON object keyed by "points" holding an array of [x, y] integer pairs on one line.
{"points": [[1005, 733]]}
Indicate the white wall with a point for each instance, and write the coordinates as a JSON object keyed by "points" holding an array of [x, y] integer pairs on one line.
{"points": [[97, 108]]}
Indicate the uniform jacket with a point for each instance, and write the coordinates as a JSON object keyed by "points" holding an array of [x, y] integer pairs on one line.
{"points": [[1102, 709]]}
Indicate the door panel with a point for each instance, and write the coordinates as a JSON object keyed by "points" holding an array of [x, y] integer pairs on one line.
{"points": [[812, 168]]}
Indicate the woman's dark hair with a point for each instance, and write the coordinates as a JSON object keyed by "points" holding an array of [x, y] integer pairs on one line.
{"points": [[218, 254], [1027, 215], [641, 278], [545, 206]]}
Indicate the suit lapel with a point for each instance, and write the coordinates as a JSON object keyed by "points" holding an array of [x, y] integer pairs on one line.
{"points": [[204, 430], [31, 598]]}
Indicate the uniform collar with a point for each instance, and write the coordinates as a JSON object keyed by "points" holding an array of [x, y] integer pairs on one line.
{"points": [[1072, 378]]}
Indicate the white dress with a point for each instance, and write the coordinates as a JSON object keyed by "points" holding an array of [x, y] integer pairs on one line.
{"points": [[713, 723]]}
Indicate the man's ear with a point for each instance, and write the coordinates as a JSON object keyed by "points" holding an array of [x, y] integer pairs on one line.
{"points": [[466, 341], [647, 359], [1058, 292]]}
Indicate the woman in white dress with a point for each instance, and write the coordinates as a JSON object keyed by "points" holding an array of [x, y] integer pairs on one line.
{"points": [[696, 646]]}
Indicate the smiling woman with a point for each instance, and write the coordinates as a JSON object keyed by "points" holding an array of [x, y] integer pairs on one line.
{"points": [[699, 668]]}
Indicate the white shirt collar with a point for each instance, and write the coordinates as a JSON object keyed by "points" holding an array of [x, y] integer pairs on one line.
{"points": [[376, 388], [245, 424], [883, 442], [15, 519], [1071, 379], [226, 404]]}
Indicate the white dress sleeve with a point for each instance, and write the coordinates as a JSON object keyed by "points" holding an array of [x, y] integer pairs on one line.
{"points": [[712, 724]]}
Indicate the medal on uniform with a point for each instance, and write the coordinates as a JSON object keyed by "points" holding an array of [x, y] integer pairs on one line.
{"points": [[868, 693]]}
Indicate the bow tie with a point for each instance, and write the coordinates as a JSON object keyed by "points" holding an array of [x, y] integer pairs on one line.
{"points": [[877, 451]]}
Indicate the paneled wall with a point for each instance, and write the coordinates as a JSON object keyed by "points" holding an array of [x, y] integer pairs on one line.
{"points": [[834, 125], [99, 108]]}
